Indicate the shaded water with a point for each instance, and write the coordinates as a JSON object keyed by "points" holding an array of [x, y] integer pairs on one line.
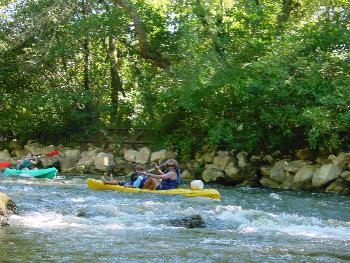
{"points": [[63, 221]]}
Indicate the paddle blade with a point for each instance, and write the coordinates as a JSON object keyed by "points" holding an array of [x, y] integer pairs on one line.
{"points": [[53, 153]]}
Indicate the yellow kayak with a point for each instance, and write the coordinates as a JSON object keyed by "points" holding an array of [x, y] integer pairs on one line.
{"points": [[99, 185]]}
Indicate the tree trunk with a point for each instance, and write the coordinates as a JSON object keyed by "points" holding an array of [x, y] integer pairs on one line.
{"points": [[116, 84], [288, 6], [200, 12], [141, 35], [86, 52]]}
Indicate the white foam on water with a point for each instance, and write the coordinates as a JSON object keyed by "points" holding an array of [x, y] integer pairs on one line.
{"points": [[275, 196], [52, 220], [216, 241], [233, 217], [40, 220], [250, 221], [249, 229], [78, 200], [190, 211], [232, 208]]}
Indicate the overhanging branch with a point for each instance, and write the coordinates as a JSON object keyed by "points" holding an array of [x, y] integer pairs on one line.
{"points": [[141, 36]]}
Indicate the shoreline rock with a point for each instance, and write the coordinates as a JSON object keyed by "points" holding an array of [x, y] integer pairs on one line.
{"points": [[301, 171]]}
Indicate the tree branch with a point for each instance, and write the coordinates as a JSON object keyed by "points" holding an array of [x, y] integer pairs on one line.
{"points": [[141, 36]]}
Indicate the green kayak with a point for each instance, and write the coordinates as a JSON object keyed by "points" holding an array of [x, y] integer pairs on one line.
{"points": [[38, 173]]}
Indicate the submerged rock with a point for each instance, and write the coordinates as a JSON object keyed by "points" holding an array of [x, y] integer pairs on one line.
{"points": [[6, 206], [194, 221], [85, 212], [81, 213]]}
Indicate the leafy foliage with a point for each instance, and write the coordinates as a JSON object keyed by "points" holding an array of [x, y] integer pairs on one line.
{"points": [[251, 75]]}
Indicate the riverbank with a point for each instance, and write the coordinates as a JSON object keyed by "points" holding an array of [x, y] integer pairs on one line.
{"points": [[301, 171]]}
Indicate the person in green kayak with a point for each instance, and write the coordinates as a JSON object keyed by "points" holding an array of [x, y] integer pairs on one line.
{"points": [[28, 162], [164, 181]]}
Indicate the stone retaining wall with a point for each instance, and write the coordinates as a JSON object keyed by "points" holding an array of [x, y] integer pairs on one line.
{"points": [[300, 171]]}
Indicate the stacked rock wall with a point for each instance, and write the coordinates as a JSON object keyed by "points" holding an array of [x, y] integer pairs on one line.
{"points": [[330, 174]]}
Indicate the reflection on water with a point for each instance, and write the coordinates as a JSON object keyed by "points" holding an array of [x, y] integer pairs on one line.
{"points": [[63, 221]]}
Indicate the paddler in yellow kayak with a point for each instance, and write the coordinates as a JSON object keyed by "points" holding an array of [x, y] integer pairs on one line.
{"points": [[169, 180]]}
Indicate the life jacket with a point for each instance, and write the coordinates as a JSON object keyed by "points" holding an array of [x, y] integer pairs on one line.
{"points": [[134, 180], [171, 184], [25, 164], [133, 177]]}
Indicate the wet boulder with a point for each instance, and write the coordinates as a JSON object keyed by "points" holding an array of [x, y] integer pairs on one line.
{"points": [[221, 161], [269, 159], [342, 160], [4, 155], [242, 159], [212, 174], [193, 221], [346, 176], [49, 161], [15, 145], [19, 153], [143, 155], [277, 171], [48, 149], [104, 161], [304, 154], [162, 155], [303, 178], [187, 175], [34, 147], [233, 173], [208, 157], [265, 170], [130, 155], [122, 166], [294, 166], [267, 182], [70, 160], [326, 174], [339, 186], [87, 158], [6, 207]]}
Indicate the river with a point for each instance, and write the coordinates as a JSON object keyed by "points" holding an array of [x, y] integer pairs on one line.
{"points": [[62, 220]]}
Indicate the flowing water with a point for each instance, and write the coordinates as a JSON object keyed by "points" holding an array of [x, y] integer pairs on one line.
{"points": [[62, 220]]}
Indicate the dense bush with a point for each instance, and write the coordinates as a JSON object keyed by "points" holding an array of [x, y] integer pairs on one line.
{"points": [[252, 75]]}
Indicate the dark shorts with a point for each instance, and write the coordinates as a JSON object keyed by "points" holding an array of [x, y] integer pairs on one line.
{"points": [[162, 187]]}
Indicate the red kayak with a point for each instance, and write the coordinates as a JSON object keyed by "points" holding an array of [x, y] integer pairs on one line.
{"points": [[5, 164]]}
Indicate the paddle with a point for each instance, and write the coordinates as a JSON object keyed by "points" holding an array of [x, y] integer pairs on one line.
{"points": [[154, 168], [50, 154]]}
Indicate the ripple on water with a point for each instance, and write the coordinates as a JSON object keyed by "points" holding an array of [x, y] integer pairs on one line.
{"points": [[248, 221], [74, 223]]}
